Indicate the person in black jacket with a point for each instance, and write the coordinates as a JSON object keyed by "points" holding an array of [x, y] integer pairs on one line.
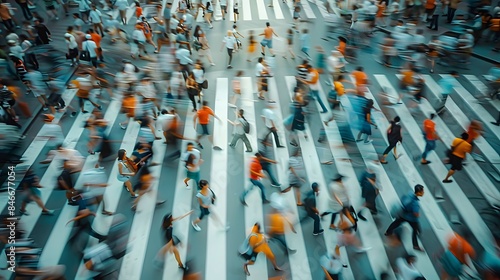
{"points": [[312, 211], [394, 135], [42, 33]]}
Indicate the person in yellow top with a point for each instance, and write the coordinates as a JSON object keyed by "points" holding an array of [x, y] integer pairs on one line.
{"points": [[459, 147], [84, 85], [258, 242], [277, 228]]}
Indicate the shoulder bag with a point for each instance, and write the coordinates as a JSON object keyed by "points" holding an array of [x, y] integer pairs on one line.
{"points": [[85, 54], [214, 197]]}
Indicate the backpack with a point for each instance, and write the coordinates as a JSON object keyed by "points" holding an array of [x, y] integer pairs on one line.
{"points": [[245, 124]]}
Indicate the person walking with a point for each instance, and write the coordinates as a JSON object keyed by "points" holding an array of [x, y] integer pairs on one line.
{"points": [[72, 49], [269, 119], [277, 229], [126, 170], [206, 198], [122, 6], [366, 123], [314, 86], [193, 160], [394, 136], [91, 47], [37, 86], [84, 85], [265, 161], [268, 39], [289, 41], [298, 118], [430, 136], [171, 241], [203, 117], [312, 210], [338, 202], [204, 50], [305, 41], [407, 269], [230, 42], [438, 8], [459, 149], [236, 13], [296, 174], [42, 33], [259, 244], [31, 192], [241, 127], [369, 189], [252, 45], [95, 18], [236, 85], [193, 89], [452, 8], [255, 175], [25, 9], [331, 266], [410, 214], [455, 256]]}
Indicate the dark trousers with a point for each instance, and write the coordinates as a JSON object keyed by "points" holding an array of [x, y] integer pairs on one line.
{"points": [[9, 24], [26, 11], [316, 219], [269, 170], [391, 146], [414, 225], [434, 22], [191, 97], [451, 14], [255, 183], [275, 133]]}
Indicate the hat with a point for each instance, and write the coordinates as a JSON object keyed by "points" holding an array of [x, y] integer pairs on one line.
{"points": [[11, 42], [88, 36], [48, 117]]}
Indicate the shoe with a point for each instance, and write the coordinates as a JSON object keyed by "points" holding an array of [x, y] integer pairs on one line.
{"points": [[242, 200], [361, 217], [217, 148], [200, 145], [122, 126], [184, 267], [425, 162], [447, 181], [368, 142], [281, 146], [85, 112], [99, 107], [294, 144], [276, 185], [134, 195], [196, 227], [212, 64], [496, 123], [248, 151], [319, 232], [48, 212], [73, 114], [291, 251], [229, 67]]}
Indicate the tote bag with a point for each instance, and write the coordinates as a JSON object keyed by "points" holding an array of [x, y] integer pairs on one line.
{"points": [[85, 55]]}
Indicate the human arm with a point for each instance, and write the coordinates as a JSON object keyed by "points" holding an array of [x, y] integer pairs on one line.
{"points": [[195, 118], [296, 175], [120, 170], [81, 216], [183, 216]]}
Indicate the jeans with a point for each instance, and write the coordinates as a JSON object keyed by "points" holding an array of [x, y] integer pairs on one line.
{"points": [[244, 138], [430, 145], [269, 170], [451, 14], [275, 133], [315, 217], [414, 225], [26, 11], [434, 22], [315, 95], [259, 185]]}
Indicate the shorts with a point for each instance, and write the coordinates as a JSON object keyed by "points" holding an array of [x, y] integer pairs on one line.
{"points": [[203, 212], [229, 51], [193, 175], [224, 8], [236, 11], [267, 43], [203, 129], [72, 53], [456, 162]]}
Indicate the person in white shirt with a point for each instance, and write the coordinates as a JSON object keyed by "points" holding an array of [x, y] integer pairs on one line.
{"points": [[15, 50], [269, 119], [138, 41], [223, 8], [230, 42], [184, 57], [37, 86], [91, 47], [95, 18], [72, 48], [193, 172], [406, 268], [331, 266], [122, 6]]}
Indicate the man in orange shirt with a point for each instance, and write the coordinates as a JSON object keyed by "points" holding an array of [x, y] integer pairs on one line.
{"points": [[453, 263], [360, 77], [459, 147], [97, 39], [430, 136], [268, 39], [255, 175], [277, 224], [203, 116]]}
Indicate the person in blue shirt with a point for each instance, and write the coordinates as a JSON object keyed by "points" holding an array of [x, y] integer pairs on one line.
{"points": [[410, 214], [447, 84], [305, 40]]}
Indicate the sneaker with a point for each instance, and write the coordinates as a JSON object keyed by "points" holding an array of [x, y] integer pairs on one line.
{"points": [[122, 126], [362, 249], [217, 148], [229, 67], [48, 212], [319, 232], [368, 142], [196, 227], [134, 195]]}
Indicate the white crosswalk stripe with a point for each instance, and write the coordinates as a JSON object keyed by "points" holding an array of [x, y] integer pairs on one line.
{"points": [[218, 255]]}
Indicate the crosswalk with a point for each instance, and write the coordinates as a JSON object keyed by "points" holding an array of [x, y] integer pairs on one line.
{"points": [[214, 249]]}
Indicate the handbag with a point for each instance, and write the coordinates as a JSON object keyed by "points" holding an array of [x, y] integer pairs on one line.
{"points": [[85, 55], [204, 85], [245, 250], [214, 197]]}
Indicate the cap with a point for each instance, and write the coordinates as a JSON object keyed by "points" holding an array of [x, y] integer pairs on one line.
{"points": [[88, 36], [48, 117]]}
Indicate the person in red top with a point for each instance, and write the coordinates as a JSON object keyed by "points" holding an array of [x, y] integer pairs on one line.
{"points": [[97, 39], [454, 259], [203, 117], [255, 175], [430, 136]]}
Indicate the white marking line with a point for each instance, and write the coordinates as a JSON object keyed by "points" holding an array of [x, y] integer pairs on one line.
{"points": [[329, 236], [112, 196], [133, 262], [322, 8], [230, 12], [299, 264], [254, 210], [483, 89], [245, 9], [471, 101], [307, 9], [463, 120], [388, 193], [216, 260], [457, 197], [261, 7], [183, 201], [60, 232], [36, 146], [277, 10]]}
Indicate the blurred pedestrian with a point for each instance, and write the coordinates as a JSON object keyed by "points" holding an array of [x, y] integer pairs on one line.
{"points": [[202, 117], [236, 13], [72, 48], [42, 33], [459, 149], [259, 244], [193, 160], [430, 136], [37, 86], [123, 6], [366, 123], [394, 136], [410, 214], [456, 256], [369, 189], [239, 132], [277, 228], [331, 266], [252, 45], [95, 18], [269, 119], [206, 198], [230, 42], [312, 210], [338, 202], [406, 268], [30, 186], [126, 170], [255, 176]]}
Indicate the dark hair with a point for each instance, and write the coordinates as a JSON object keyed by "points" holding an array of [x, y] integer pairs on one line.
{"points": [[409, 257], [203, 183], [241, 112], [432, 116], [268, 24], [260, 59], [359, 69], [76, 15], [205, 103], [121, 154], [314, 186], [465, 135], [167, 221], [419, 188], [338, 178], [397, 119], [190, 144]]}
